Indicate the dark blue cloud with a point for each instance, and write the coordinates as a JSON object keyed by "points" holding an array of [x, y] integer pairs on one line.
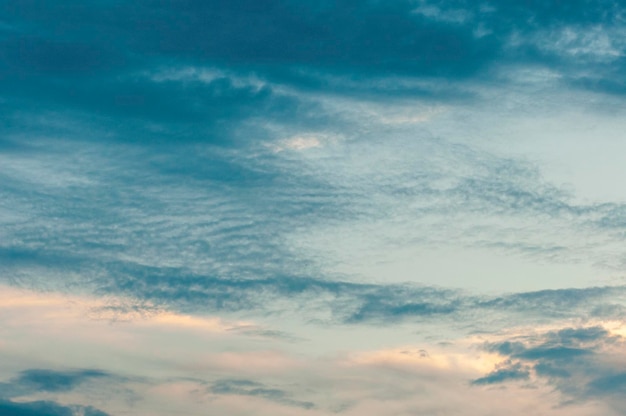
{"points": [[551, 371], [385, 304], [551, 353], [251, 388], [349, 302], [45, 408], [371, 36], [90, 61], [567, 344], [19, 257], [610, 384], [509, 373], [34, 381], [575, 336], [56, 381], [582, 363], [355, 303], [556, 302], [51, 382], [27, 56], [74, 52], [179, 111]]}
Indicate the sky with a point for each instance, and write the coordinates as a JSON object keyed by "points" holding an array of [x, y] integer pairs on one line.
{"points": [[294, 207]]}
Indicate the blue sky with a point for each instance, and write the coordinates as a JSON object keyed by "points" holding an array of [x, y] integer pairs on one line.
{"points": [[307, 208]]}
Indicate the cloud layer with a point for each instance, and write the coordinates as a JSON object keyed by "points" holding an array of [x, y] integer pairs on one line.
{"points": [[305, 207]]}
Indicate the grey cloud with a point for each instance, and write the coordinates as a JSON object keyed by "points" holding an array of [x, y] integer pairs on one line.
{"points": [[252, 388], [29, 55], [45, 408], [507, 373], [579, 362], [36, 381], [260, 332], [553, 353], [365, 41], [356, 303], [557, 302], [551, 370], [573, 336], [607, 385], [177, 111], [43, 380], [55, 381], [386, 304], [309, 33]]}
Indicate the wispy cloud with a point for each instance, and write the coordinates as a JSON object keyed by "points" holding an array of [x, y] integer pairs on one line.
{"points": [[251, 388]]}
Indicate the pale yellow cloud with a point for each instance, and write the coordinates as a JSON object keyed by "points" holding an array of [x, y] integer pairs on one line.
{"points": [[24, 305], [61, 330]]}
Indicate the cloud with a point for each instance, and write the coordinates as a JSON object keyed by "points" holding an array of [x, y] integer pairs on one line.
{"points": [[257, 331], [251, 388], [504, 374], [306, 33], [608, 385], [580, 362], [178, 289], [560, 302], [283, 41], [41, 380], [192, 367], [214, 181], [37, 381], [39, 408], [224, 223], [168, 135], [300, 143]]}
